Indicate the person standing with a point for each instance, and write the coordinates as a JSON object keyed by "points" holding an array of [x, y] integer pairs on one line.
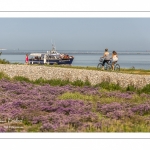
{"points": [[106, 58], [27, 59]]}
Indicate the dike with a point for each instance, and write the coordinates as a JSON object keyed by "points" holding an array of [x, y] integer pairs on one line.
{"points": [[34, 72]]}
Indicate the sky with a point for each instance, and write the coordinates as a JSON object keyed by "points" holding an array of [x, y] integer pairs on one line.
{"points": [[120, 34]]}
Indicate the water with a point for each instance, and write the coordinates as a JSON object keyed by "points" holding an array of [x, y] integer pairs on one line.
{"points": [[138, 59]]}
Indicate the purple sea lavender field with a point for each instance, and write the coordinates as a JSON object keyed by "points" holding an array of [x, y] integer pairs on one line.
{"points": [[115, 110], [120, 114], [127, 95], [8, 110], [90, 117], [88, 90], [98, 126], [27, 89], [48, 127], [56, 121], [60, 121], [21, 108], [30, 103], [2, 129], [106, 108], [39, 105], [142, 109], [23, 93], [16, 87], [40, 119], [68, 107], [144, 95], [51, 127]]}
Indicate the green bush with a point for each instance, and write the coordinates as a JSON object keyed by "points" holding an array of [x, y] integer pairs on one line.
{"points": [[146, 89], [57, 82], [3, 61], [108, 86], [53, 82], [78, 83], [131, 88], [20, 78], [3, 76]]}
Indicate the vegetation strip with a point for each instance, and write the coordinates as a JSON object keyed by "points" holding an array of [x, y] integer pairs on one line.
{"points": [[64, 106]]}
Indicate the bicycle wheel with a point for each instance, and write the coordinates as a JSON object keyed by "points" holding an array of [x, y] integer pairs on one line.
{"points": [[117, 67], [108, 67], [99, 66]]}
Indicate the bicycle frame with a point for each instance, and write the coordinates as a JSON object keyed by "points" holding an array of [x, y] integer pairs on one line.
{"points": [[108, 65]]}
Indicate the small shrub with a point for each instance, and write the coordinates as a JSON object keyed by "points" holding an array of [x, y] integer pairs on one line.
{"points": [[3, 61], [146, 89], [39, 81], [55, 82], [20, 78], [78, 83], [3, 76], [130, 88], [109, 86], [76, 96]]}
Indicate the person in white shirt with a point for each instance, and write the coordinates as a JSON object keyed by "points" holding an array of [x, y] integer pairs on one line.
{"points": [[106, 58], [114, 59]]}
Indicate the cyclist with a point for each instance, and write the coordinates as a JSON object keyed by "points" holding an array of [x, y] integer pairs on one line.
{"points": [[114, 59], [106, 58]]}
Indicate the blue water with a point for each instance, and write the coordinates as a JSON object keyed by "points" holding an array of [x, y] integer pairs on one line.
{"points": [[138, 59]]}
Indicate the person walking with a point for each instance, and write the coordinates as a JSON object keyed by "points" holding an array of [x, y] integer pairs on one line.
{"points": [[27, 59]]}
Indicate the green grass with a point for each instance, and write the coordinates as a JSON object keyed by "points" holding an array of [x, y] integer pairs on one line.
{"points": [[20, 78], [102, 99], [146, 89], [52, 82], [109, 86], [77, 96], [4, 76]]}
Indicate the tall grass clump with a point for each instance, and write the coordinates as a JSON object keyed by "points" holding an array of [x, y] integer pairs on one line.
{"points": [[20, 78], [131, 88], [52, 82], [145, 89], [3, 76], [109, 86], [4, 61], [81, 83]]}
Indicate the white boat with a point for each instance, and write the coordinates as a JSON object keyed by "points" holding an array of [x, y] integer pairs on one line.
{"points": [[51, 57]]}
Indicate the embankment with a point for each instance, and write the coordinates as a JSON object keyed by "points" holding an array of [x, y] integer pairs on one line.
{"points": [[34, 72]]}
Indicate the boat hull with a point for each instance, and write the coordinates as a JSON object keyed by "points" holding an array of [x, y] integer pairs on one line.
{"points": [[52, 62]]}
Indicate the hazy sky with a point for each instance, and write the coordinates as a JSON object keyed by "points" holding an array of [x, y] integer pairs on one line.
{"points": [[75, 33]]}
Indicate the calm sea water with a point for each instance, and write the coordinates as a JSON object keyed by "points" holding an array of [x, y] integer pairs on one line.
{"points": [[138, 59]]}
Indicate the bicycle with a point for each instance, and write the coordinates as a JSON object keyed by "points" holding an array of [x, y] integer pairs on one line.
{"points": [[108, 65]]}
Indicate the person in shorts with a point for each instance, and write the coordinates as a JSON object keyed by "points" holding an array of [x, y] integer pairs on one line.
{"points": [[106, 58], [114, 59]]}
